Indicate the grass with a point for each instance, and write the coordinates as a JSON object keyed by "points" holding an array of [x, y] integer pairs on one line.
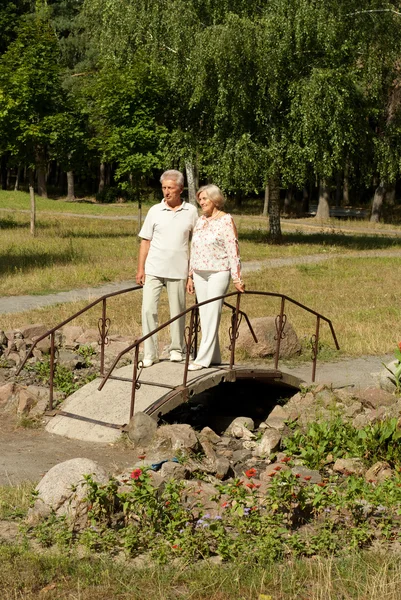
{"points": [[26, 575], [357, 287]]}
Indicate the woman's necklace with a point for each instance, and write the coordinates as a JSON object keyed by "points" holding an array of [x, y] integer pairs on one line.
{"points": [[213, 216]]}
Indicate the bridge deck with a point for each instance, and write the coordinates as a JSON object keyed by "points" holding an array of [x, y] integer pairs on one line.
{"points": [[86, 413]]}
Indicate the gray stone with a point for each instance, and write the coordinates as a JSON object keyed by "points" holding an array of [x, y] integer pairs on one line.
{"points": [[6, 393], [26, 401], [241, 428], [379, 472], [172, 470], [210, 435], [63, 489], [265, 331], [269, 443], [375, 397], [240, 456], [70, 335], [87, 337], [386, 376], [363, 419], [70, 360], [354, 409], [33, 331], [141, 429], [349, 465], [170, 440], [271, 471]]}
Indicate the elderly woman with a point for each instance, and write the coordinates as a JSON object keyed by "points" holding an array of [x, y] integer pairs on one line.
{"points": [[214, 259]]}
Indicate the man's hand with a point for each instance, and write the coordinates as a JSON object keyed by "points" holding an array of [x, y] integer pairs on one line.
{"points": [[140, 277], [143, 253]]}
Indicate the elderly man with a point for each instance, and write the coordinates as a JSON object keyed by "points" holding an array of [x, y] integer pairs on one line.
{"points": [[163, 261]]}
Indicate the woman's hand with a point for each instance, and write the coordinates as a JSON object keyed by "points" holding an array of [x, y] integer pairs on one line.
{"points": [[190, 286], [239, 286]]}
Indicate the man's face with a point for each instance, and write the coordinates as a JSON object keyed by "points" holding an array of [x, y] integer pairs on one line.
{"points": [[171, 190]]}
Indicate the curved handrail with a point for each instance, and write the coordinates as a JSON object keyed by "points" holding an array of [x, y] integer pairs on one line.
{"points": [[233, 335], [74, 316]]}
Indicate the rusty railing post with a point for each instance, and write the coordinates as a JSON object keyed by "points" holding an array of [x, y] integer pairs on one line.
{"points": [[279, 331], [52, 353], [103, 327], [189, 344], [315, 348], [234, 329], [196, 332], [134, 382]]}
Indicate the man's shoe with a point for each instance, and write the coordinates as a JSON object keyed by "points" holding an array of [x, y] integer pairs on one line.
{"points": [[175, 356], [147, 362], [195, 367]]}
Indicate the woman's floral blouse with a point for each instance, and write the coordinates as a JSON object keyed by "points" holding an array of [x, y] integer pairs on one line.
{"points": [[215, 246]]}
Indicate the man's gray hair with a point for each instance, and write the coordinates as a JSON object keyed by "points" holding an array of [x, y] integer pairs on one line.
{"points": [[176, 176]]}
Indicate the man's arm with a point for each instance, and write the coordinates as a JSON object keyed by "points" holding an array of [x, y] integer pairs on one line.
{"points": [[143, 253]]}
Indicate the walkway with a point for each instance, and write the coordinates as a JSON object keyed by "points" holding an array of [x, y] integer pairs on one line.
{"points": [[17, 304]]}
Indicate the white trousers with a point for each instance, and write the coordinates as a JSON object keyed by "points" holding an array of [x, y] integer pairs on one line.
{"points": [[209, 284], [150, 305]]}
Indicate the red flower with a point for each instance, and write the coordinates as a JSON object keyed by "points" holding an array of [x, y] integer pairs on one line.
{"points": [[167, 503], [142, 456], [224, 504], [297, 475], [278, 468], [250, 485], [257, 485], [272, 474], [176, 547], [136, 473], [399, 345], [286, 459], [307, 477], [250, 473], [321, 484]]}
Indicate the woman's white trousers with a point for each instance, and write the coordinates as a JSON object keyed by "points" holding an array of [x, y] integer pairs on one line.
{"points": [[209, 284]]}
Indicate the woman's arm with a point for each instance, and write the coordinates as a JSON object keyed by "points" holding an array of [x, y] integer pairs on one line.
{"points": [[232, 249]]}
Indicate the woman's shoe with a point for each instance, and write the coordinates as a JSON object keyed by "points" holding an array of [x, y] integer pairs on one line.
{"points": [[195, 367]]}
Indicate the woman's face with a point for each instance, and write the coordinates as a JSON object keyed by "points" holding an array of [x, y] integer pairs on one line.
{"points": [[206, 205]]}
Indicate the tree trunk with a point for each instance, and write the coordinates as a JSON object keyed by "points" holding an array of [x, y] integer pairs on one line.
{"points": [[191, 180], [70, 186], [16, 185], [41, 170], [102, 177], [346, 185], [275, 235], [3, 172], [266, 202], [305, 200], [338, 188], [32, 198], [390, 195], [323, 209], [288, 200], [377, 203]]}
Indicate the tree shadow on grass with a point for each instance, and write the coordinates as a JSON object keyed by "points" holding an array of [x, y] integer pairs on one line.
{"points": [[349, 242], [13, 261], [94, 236], [10, 223]]}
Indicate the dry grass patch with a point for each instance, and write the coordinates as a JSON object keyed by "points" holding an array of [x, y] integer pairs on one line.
{"points": [[360, 296]]}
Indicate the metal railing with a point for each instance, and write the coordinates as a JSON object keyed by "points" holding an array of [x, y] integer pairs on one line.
{"points": [[191, 338], [103, 327]]}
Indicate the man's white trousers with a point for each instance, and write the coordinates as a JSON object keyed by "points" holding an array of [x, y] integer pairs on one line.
{"points": [[150, 304]]}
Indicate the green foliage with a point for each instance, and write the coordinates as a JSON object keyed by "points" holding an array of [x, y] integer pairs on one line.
{"points": [[63, 380], [257, 529], [337, 439]]}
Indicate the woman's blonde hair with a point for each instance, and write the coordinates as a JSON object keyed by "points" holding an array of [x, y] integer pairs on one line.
{"points": [[213, 193]]}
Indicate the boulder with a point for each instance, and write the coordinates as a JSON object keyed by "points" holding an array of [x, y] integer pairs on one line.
{"points": [[70, 335], [63, 489], [306, 474], [269, 443], [141, 429], [375, 397], [170, 440], [265, 331], [348, 466], [241, 427], [378, 472], [6, 393], [33, 331], [87, 337], [26, 401], [386, 376]]}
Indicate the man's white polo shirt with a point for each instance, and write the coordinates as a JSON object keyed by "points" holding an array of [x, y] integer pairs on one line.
{"points": [[168, 231]]}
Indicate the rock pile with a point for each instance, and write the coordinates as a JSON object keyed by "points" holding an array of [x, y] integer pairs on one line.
{"points": [[203, 459], [77, 351]]}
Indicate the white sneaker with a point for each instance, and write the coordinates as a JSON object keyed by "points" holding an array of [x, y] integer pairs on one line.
{"points": [[147, 362], [195, 367], [175, 356]]}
